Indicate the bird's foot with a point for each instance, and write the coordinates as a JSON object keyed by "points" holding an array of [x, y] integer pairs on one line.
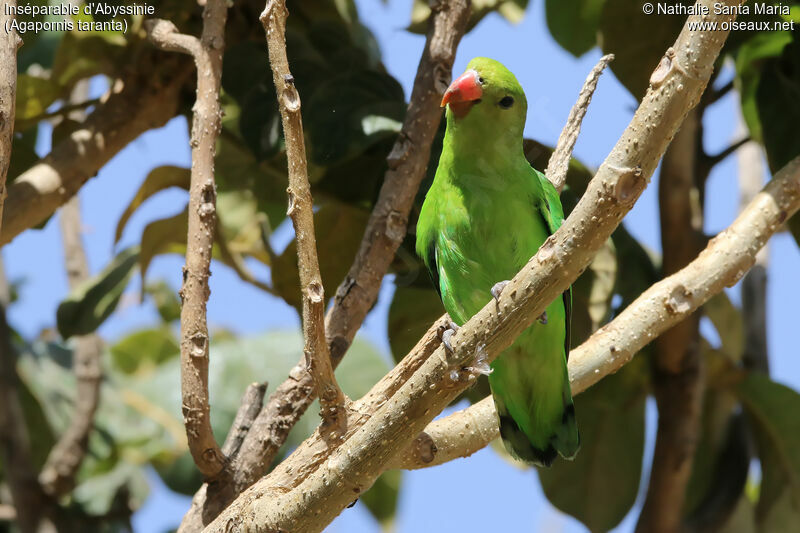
{"points": [[447, 333], [497, 289], [542, 318]]}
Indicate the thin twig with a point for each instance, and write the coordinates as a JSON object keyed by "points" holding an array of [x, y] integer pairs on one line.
{"points": [[558, 165], [249, 408], [207, 54], [58, 473], [614, 345], [312, 497], [315, 349]]}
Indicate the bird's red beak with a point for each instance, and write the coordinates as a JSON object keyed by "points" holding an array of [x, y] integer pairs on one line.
{"points": [[465, 88]]}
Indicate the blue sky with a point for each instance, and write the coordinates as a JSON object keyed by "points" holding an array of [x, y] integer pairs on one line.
{"points": [[483, 492]]}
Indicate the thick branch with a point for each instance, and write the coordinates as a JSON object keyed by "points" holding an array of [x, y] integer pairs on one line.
{"points": [[207, 55], [654, 312], [558, 165], [315, 349], [9, 42], [676, 86], [58, 474], [14, 441], [29, 500], [145, 98], [677, 371]]}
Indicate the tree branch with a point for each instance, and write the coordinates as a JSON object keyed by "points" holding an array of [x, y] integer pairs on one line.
{"points": [[248, 410], [558, 165], [754, 284], [677, 372], [9, 42], [343, 473], [614, 345], [58, 474], [316, 352], [207, 54], [14, 440], [385, 231]]}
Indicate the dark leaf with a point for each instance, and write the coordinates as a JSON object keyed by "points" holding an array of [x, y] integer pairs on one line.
{"points": [[772, 411], [157, 180], [89, 304], [600, 485], [165, 299], [573, 23]]}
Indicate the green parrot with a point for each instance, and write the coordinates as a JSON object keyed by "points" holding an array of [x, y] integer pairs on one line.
{"points": [[487, 212]]}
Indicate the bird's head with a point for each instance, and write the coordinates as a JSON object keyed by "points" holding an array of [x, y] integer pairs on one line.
{"points": [[488, 98]]}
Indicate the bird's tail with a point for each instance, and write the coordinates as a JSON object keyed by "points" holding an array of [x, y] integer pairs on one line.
{"points": [[534, 404]]}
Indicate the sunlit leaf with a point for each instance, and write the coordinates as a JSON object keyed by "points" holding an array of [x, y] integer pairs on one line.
{"points": [[34, 96], [165, 299], [772, 410], [143, 350], [157, 180]]}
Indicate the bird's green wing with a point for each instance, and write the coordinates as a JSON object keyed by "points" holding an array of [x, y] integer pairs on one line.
{"points": [[553, 214]]}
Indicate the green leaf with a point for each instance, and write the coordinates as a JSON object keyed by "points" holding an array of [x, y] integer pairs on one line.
{"points": [[638, 41], [637, 270], [34, 96], [350, 112], [749, 61], [89, 304], [157, 180], [573, 23], [778, 103], [167, 303], [166, 235], [721, 461], [339, 228], [81, 55], [143, 350], [600, 486], [728, 322], [511, 10], [98, 494], [411, 313], [592, 293], [772, 410], [234, 364], [381, 498]]}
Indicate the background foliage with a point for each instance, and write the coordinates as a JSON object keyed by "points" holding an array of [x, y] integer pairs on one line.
{"points": [[352, 113]]}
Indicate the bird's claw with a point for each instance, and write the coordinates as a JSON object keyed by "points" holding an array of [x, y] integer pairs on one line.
{"points": [[446, 336], [497, 289], [542, 318]]}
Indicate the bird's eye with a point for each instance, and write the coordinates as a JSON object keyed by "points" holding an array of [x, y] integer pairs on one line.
{"points": [[506, 102], [480, 80]]}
